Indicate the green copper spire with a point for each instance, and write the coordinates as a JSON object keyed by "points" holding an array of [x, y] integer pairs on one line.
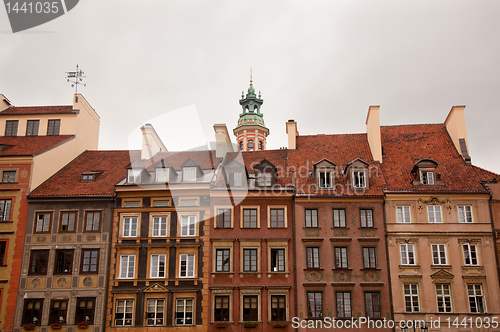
{"points": [[251, 105]]}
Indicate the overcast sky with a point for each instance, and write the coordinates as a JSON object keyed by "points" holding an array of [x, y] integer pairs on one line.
{"points": [[320, 62]]}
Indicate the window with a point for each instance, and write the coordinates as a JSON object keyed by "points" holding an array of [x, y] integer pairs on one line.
{"points": [[443, 297], [325, 179], [407, 251], [9, 176], [249, 218], [64, 262], [264, 179], [278, 308], [53, 127], [130, 227], [250, 145], [184, 311], [134, 175], [189, 202], [42, 223], [160, 224], [470, 254], [341, 257], [250, 308], [343, 304], [5, 205], [32, 128], [434, 213], [250, 260], [161, 203], [158, 266], [315, 305], [311, 218], [277, 218], [477, 303], [85, 309], [189, 174], [369, 258], [11, 128], [124, 312], [464, 213], [404, 215], [90, 260], [33, 311], [359, 179], [68, 220], [235, 179], [260, 146], [313, 257], [221, 311], [162, 175], [127, 266], [241, 145], [58, 311], [411, 297], [188, 225], [277, 260], [3, 249], [438, 254], [186, 264], [132, 204], [223, 257], [426, 177], [223, 218], [372, 305], [38, 262], [366, 217], [339, 218], [88, 177], [92, 221], [155, 312]]}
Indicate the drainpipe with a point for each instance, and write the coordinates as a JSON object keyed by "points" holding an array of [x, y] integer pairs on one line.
{"points": [[388, 263], [294, 241]]}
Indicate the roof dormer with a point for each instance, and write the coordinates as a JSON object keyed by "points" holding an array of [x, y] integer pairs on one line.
{"points": [[235, 174], [357, 173], [164, 172], [265, 173], [136, 173], [191, 171], [425, 174], [324, 173]]}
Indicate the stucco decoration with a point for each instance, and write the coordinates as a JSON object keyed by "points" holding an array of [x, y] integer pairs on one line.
{"points": [[62, 282], [35, 283], [314, 276], [88, 282]]}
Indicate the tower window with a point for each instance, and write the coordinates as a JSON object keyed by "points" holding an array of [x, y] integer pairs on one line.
{"points": [[260, 145], [250, 145], [241, 146]]}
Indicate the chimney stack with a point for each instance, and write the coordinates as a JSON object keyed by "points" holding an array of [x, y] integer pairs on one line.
{"points": [[151, 142], [373, 132], [222, 141], [4, 103], [291, 130], [455, 125]]}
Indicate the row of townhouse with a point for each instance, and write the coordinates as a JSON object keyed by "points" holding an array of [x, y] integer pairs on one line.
{"points": [[394, 226]]}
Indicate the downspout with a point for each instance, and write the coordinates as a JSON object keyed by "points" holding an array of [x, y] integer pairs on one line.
{"points": [[388, 264], [294, 241]]}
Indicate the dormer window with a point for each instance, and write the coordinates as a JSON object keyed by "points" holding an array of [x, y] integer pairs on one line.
{"points": [[134, 176], [424, 173], [357, 173], [234, 179], [87, 177], [324, 173], [427, 177], [264, 179], [359, 178], [189, 174], [325, 179], [162, 174]]}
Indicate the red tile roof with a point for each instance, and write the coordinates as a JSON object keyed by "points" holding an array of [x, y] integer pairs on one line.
{"points": [[24, 110], [67, 182], [205, 158], [30, 145], [404, 145], [340, 149]]}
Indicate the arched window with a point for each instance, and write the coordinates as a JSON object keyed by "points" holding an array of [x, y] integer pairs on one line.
{"points": [[250, 145], [241, 146], [260, 145]]}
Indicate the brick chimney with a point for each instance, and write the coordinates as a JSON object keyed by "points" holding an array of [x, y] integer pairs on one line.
{"points": [[291, 130], [455, 125], [373, 132]]}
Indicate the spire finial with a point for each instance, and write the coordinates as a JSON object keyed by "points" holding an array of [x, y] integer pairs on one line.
{"points": [[250, 75]]}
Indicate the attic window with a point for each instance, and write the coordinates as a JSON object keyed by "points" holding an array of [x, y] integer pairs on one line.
{"points": [[162, 174], [234, 179], [264, 179], [359, 178], [134, 176], [424, 173], [325, 179], [189, 174], [427, 177], [90, 176]]}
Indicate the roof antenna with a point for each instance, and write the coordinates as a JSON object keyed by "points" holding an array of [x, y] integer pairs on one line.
{"points": [[77, 77]]}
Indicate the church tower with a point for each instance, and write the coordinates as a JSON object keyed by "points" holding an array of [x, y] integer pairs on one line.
{"points": [[251, 132]]}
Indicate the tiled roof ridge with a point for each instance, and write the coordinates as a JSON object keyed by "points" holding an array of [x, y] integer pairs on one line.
{"points": [[412, 125], [316, 135], [12, 106]]}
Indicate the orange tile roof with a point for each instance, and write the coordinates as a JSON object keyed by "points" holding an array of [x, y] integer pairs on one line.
{"points": [[404, 145], [30, 145], [67, 182], [24, 110], [205, 158]]}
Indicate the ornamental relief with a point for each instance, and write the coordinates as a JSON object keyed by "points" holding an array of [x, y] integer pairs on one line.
{"points": [[434, 201]]}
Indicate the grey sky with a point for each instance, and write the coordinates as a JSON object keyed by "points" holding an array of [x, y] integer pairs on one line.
{"points": [[321, 63]]}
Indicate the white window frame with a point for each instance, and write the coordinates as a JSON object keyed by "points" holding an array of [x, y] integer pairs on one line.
{"points": [[162, 174], [411, 291], [339, 218], [327, 176], [443, 298], [341, 257], [475, 291], [190, 261], [407, 254], [359, 178], [155, 269], [465, 214], [188, 225], [134, 175], [184, 305], [264, 179], [427, 177], [434, 212], [439, 252], [403, 213], [235, 179], [469, 253], [187, 176], [128, 230], [127, 267], [160, 221], [155, 312], [126, 304]]}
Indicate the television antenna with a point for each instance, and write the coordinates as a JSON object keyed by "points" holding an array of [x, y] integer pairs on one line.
{"points": [[75, 78]]}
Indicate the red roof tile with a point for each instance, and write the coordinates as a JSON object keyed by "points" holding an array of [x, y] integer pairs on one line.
{"points": [[24, 110], [67, 182], [404, 145], [30, 145], [205, 158]]}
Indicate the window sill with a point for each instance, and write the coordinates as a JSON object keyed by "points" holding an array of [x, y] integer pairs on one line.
{"points": [[409, 266], [370, 269], [341, 228], [367, 228], [341, 269], [313, 269], [438, 266], [6, 222], [311, 228]]}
